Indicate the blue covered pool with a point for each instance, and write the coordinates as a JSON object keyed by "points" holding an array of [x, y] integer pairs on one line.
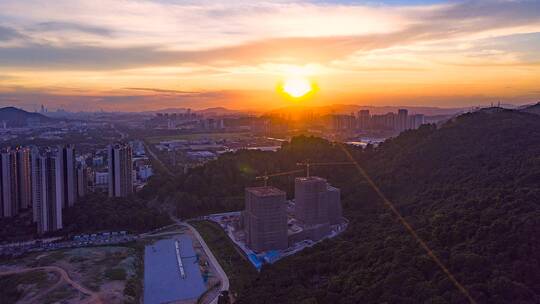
{"points": [[162, 279]]}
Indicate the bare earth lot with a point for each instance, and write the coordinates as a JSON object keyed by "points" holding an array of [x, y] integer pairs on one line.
{"points": [[87, 275]]}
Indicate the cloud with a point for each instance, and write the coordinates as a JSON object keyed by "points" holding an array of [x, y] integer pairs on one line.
{"points": [[28, 99], [299, 45], [509, 11], [165, 91], [296, 50], [56, 26], [140, 45], [7, 33]]}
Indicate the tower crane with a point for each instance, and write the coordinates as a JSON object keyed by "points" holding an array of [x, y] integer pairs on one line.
{"points": [[308, 164], [267, 176]]}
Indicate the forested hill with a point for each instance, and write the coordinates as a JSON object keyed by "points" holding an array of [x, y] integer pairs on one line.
{"points": [[15, 117], [471, 189]]}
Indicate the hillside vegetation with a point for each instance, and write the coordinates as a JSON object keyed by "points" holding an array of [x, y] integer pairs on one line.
{"points": [[15, 117], [470, 189]]}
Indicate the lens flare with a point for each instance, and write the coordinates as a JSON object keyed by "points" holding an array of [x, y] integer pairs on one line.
{"points": [[297, 87]]}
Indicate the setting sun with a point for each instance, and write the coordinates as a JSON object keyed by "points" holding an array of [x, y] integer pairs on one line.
{"points": [[297, 87]]}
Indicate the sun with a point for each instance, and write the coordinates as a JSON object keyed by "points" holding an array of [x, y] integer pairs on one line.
{"points": [[297, 87]]}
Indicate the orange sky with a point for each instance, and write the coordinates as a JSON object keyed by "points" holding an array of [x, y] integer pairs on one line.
{"points": [[139, 54]]}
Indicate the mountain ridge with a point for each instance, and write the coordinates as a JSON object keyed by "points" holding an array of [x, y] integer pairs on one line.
{"points": [[15, 117]]}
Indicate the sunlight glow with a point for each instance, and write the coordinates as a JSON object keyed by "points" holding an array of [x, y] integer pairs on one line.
{"points": [[297, 87]]}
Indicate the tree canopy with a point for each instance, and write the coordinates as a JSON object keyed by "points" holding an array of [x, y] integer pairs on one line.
{"points": [[469, 188]]}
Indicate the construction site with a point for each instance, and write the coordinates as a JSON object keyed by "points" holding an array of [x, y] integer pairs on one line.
{"points": [[272, 227]]}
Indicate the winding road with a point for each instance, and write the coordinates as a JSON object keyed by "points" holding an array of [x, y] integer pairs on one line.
{"points": [[221, 273], [64, 276]]}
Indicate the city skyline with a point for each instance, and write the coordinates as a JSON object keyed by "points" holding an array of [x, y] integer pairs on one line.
{"points": [[87, 55]]}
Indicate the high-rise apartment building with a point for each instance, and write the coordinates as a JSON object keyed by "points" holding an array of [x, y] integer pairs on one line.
{"points": [[415, 121], [265, 219], [317, 205], [9, 200], [66, 175], [402, 120], [343, 122], [24, 177], [386, 121], [120, 170], [364, 119], [47, 205], [82, 180]]}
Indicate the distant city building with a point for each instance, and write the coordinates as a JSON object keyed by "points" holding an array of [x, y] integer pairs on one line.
{"points": [[415, 121], [402, 120], [343, 122], [317, 205], [24, 177], [265, 219], [97, 161], [101, 181], [8, 183], [82, 180], [385, 122], [66, 175], [120, 170], [47, 206], [144, 172], [364, 119], [137, 148]]}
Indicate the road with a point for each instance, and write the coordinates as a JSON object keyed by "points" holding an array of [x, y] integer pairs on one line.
{"points": [[221, 273], [148, 150], [155, 157], [93, 297]]}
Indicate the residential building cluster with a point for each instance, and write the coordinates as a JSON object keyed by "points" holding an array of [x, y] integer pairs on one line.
{"points": [[399, 121], [43, 179], [187, 120], [117, 166], [47, 180]]}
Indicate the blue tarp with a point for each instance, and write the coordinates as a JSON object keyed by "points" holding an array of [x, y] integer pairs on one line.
{"points": [[271, 256], [162, 281], [255, 260]]}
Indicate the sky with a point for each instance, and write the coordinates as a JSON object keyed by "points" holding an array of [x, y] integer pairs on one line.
{"points": [[133, 55]]}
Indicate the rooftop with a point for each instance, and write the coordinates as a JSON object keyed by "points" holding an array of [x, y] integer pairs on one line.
{"points": [[265, 191], [310, 179]]}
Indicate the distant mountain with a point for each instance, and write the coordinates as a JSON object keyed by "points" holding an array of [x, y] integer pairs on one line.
{"points": [[168, 110], [535, 109], [15, 117]]}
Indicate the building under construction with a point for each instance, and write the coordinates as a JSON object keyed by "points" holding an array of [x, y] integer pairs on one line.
{"points": [[270, 222], [265, 219], [317, 206]]}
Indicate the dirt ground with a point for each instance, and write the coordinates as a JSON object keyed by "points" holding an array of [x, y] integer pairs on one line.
{"points": [[103, 271]]}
